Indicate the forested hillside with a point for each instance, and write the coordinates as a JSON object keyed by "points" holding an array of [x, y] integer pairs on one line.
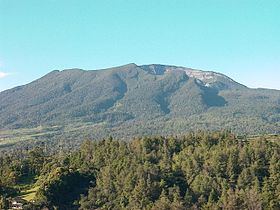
{"points": [[199, 171], [131, 100]]}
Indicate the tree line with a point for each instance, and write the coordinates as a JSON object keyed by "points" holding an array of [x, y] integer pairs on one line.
{"points": [[202, 170]]}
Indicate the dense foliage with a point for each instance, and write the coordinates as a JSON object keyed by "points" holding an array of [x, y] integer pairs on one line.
{"points": [[133, 100], [199, 171]]}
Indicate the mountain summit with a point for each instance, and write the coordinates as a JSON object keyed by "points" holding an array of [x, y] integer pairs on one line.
{"points": [[207, 78], [148, 99]]}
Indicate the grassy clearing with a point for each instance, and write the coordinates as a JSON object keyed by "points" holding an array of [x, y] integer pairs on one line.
{"points": [[27, 188], [29, 194], [11, 137]]}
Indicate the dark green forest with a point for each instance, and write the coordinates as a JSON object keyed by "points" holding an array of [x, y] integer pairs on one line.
{"points": [[202, 170]]}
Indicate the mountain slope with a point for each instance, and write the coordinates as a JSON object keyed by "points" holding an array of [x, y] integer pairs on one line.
{"points": [[150, 99]]}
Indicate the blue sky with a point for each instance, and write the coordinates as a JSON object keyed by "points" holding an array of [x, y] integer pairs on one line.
{"points": [[240, 38]]}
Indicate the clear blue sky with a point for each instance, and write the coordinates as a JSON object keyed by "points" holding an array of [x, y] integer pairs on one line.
{"points": [[240, 38]]}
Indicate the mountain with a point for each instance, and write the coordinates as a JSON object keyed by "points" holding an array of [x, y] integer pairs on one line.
{"points": [[133, 100]]}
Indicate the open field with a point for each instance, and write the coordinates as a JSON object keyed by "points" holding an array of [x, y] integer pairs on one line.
{"points": [[72, 134], [27, 188], [29, 194], [11, 137]]}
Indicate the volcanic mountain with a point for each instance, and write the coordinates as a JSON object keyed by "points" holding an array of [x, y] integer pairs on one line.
{"points": [[133, 100]]}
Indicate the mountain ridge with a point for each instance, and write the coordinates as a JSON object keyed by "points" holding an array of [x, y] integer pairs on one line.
{"points": [[152, 99]]}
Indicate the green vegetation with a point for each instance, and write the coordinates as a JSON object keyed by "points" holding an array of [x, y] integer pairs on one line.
{"points": [[202, 170], [20, 136], [29, 194], [130, 101]]}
